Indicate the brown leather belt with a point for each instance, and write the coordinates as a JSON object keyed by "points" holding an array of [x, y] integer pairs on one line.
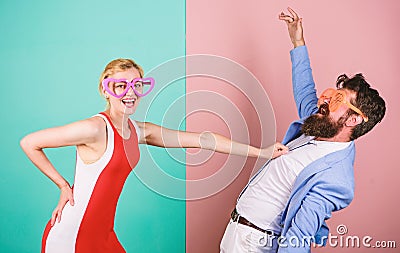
{"points": [[241, 220]]}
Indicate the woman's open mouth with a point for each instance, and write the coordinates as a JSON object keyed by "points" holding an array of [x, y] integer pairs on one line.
{"points": [[129, 102]]}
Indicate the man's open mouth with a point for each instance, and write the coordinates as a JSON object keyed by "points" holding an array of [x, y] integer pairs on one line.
{"points": [[324, 109]]}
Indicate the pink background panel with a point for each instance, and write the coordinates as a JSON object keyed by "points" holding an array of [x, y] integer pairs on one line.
{"points": [[342, 37]]}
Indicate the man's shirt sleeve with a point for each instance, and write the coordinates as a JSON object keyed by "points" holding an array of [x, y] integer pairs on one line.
{"points": [[303, 84]]}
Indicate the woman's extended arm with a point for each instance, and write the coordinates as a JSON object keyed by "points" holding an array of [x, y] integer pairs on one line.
{"points": [[78, 133], [163, 137]]}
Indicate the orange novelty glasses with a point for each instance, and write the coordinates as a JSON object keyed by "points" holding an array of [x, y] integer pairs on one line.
{"points": [[336, 99]]}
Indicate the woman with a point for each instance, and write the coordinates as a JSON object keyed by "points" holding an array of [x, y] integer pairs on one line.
{"points": [[107, 151]]}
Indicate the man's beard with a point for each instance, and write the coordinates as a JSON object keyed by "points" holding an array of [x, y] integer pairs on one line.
{"points": [[321, 125]]}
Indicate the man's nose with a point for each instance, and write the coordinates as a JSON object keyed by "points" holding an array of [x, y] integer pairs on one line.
{"points": [[327, 100]]}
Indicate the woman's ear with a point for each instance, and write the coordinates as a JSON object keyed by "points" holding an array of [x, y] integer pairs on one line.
{"points": [[105, 94], [354, 120]]}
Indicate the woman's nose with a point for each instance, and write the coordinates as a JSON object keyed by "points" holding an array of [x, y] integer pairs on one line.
{"points": [[130, 91]]}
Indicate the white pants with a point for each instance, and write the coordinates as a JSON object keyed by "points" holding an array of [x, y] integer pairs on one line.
{"points": [[240, 238]]}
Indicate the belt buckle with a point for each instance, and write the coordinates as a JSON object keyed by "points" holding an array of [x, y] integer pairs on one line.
{"points": [[234, 215]]}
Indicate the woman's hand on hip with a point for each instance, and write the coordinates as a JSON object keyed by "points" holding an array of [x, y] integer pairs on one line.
{"points": [[66, 195]]}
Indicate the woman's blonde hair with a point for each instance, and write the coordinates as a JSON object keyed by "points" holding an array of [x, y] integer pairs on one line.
{"points": [[115, 66]]}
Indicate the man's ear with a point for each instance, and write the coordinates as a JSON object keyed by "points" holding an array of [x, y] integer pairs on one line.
{"points": [[354, 120]]}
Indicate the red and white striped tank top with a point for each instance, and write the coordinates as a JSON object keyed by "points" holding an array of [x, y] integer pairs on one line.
{"points": [[88, 226]]}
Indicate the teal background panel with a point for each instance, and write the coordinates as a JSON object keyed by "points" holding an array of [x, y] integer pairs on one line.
{"points": [[52, 54]]}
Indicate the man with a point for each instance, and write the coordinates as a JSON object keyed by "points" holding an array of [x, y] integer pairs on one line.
{"points": [[284, 206]]}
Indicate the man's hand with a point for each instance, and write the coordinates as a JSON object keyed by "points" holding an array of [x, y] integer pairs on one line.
{"points": [[295, 27]]}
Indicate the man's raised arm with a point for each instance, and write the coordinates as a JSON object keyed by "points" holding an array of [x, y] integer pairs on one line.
{"points": [[303, 84]]}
